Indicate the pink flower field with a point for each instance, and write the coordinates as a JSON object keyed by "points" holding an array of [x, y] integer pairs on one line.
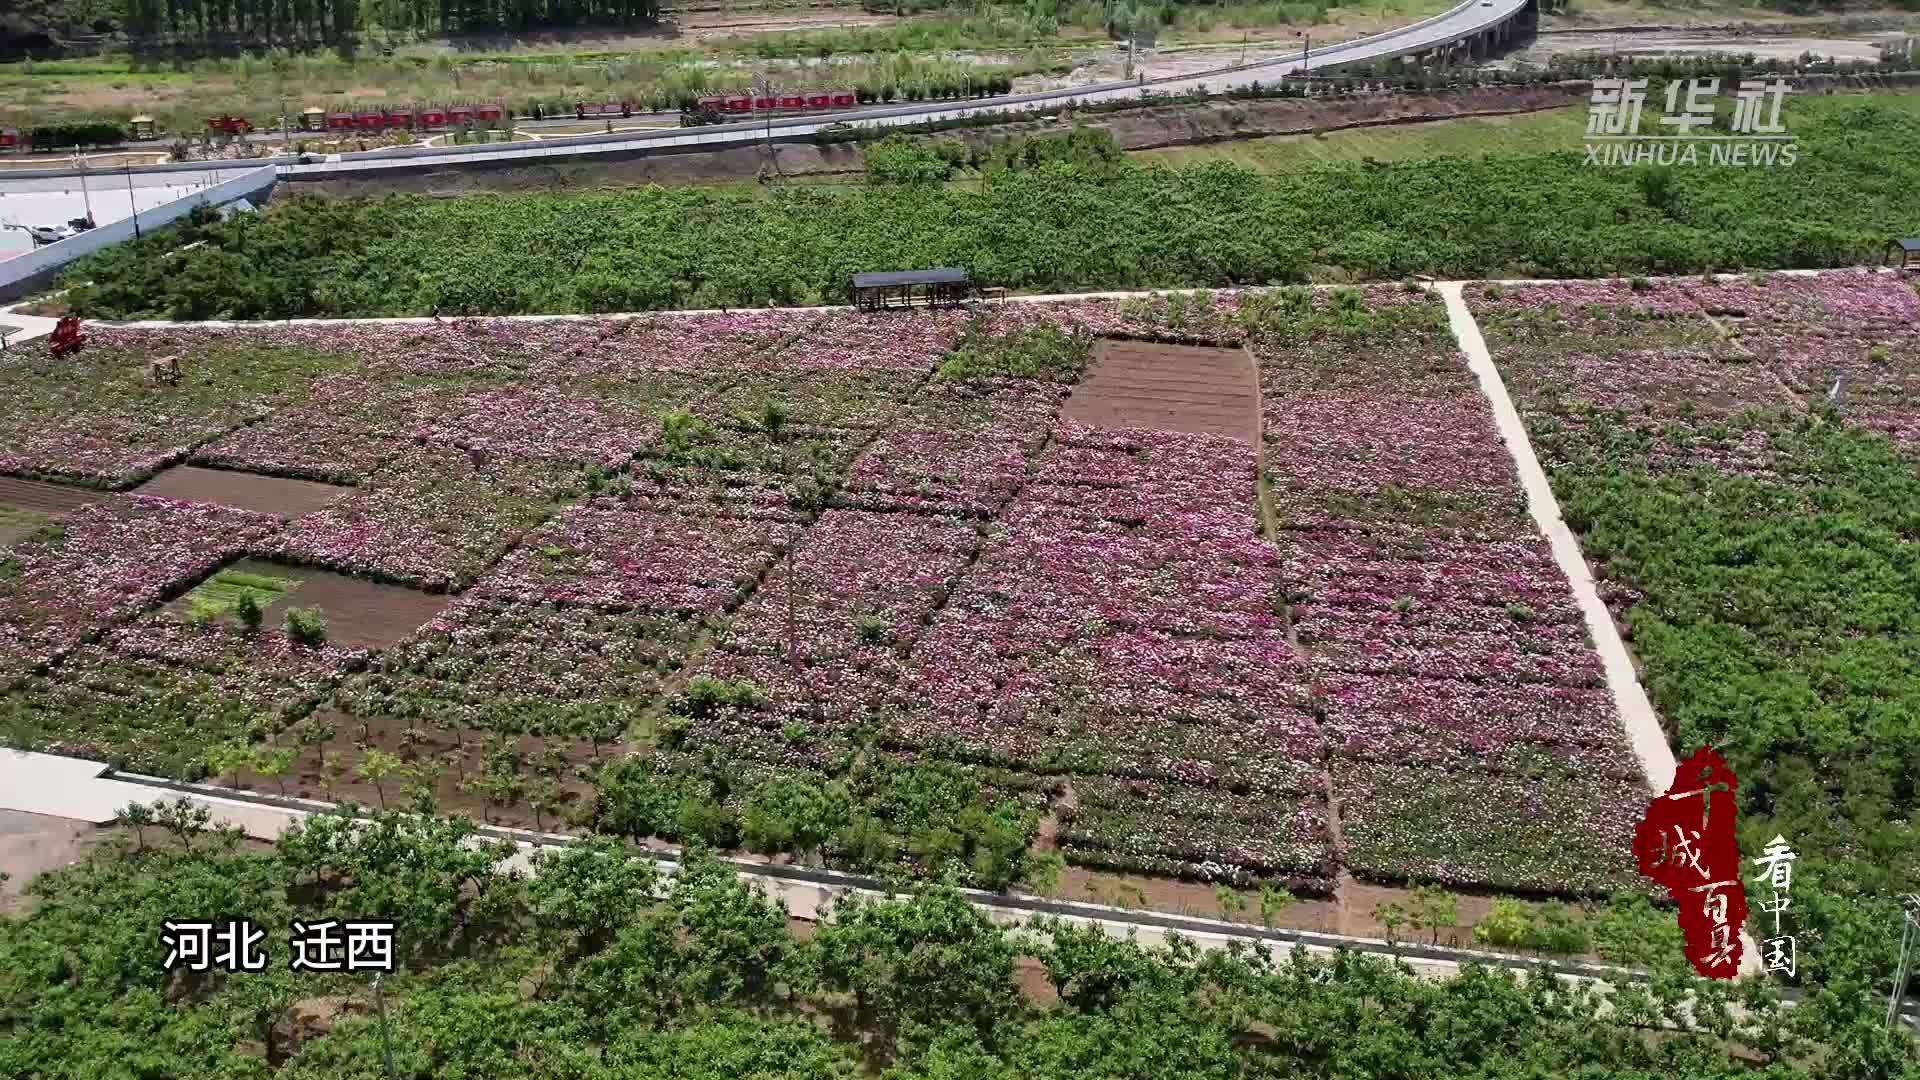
{"points": [[1679, 357], [766, 549]]}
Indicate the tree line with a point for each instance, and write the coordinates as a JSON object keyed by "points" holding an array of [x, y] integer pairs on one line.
{"points": [[290, 22], [600, 967]]}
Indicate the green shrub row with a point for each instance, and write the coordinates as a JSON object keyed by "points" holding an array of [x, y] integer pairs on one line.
{"points": [[90, 133]]}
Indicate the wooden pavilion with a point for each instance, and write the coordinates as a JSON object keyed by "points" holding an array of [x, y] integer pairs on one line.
{"points": [[911, 288]]}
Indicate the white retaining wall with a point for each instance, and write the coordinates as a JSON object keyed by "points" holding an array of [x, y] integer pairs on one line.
{"points": [[24, 273]]}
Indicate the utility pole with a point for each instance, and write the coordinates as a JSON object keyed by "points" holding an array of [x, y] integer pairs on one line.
{"points": [[386, 1047], [131, 205], [793, 633], [1909, 938], [85, 196]]}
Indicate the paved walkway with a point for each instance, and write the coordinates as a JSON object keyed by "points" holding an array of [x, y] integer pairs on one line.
{"points": [[28, 327], [77, 789], [1642, 724], [70, 788]]}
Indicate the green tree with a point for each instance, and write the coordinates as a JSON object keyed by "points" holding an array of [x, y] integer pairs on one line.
{"points": [[1274, 903], [229, 759], [275, 764], [918, 966], [137, 816], [375, 767], [247, 609], [584, 892]]}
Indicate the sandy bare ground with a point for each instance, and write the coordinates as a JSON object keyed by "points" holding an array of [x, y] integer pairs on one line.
{"points": [[31, 845], [703, 26], [43, 497], [1865, 46], [39, 502]]}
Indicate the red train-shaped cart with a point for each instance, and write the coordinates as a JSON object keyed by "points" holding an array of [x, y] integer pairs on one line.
{"points": [[376, 119], [777, 104], [372, 120]]}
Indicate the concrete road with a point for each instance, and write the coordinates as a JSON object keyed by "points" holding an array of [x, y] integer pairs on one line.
{"points": [[1469, 20], [109, 196], [1460, 23]]}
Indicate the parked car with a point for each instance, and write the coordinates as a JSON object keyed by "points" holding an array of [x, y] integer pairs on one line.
{"points": [[50, 234]]}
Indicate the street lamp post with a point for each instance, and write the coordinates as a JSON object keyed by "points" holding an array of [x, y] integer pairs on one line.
{"points": [[131, 205], [1909, 937], [86, 197]]}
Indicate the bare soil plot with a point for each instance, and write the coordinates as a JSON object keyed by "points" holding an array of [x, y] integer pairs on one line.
{"points": [[25, 505], [432, 747], [44, 498], [1141, 384], [360, 613], [245, 491], [31, 845]]}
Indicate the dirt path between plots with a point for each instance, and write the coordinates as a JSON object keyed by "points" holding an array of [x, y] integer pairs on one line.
{"points": [[243, 491], [1189, 388]]}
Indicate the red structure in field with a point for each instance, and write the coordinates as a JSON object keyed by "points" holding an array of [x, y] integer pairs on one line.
{"points": [[67, 337], [1686, 843]]}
